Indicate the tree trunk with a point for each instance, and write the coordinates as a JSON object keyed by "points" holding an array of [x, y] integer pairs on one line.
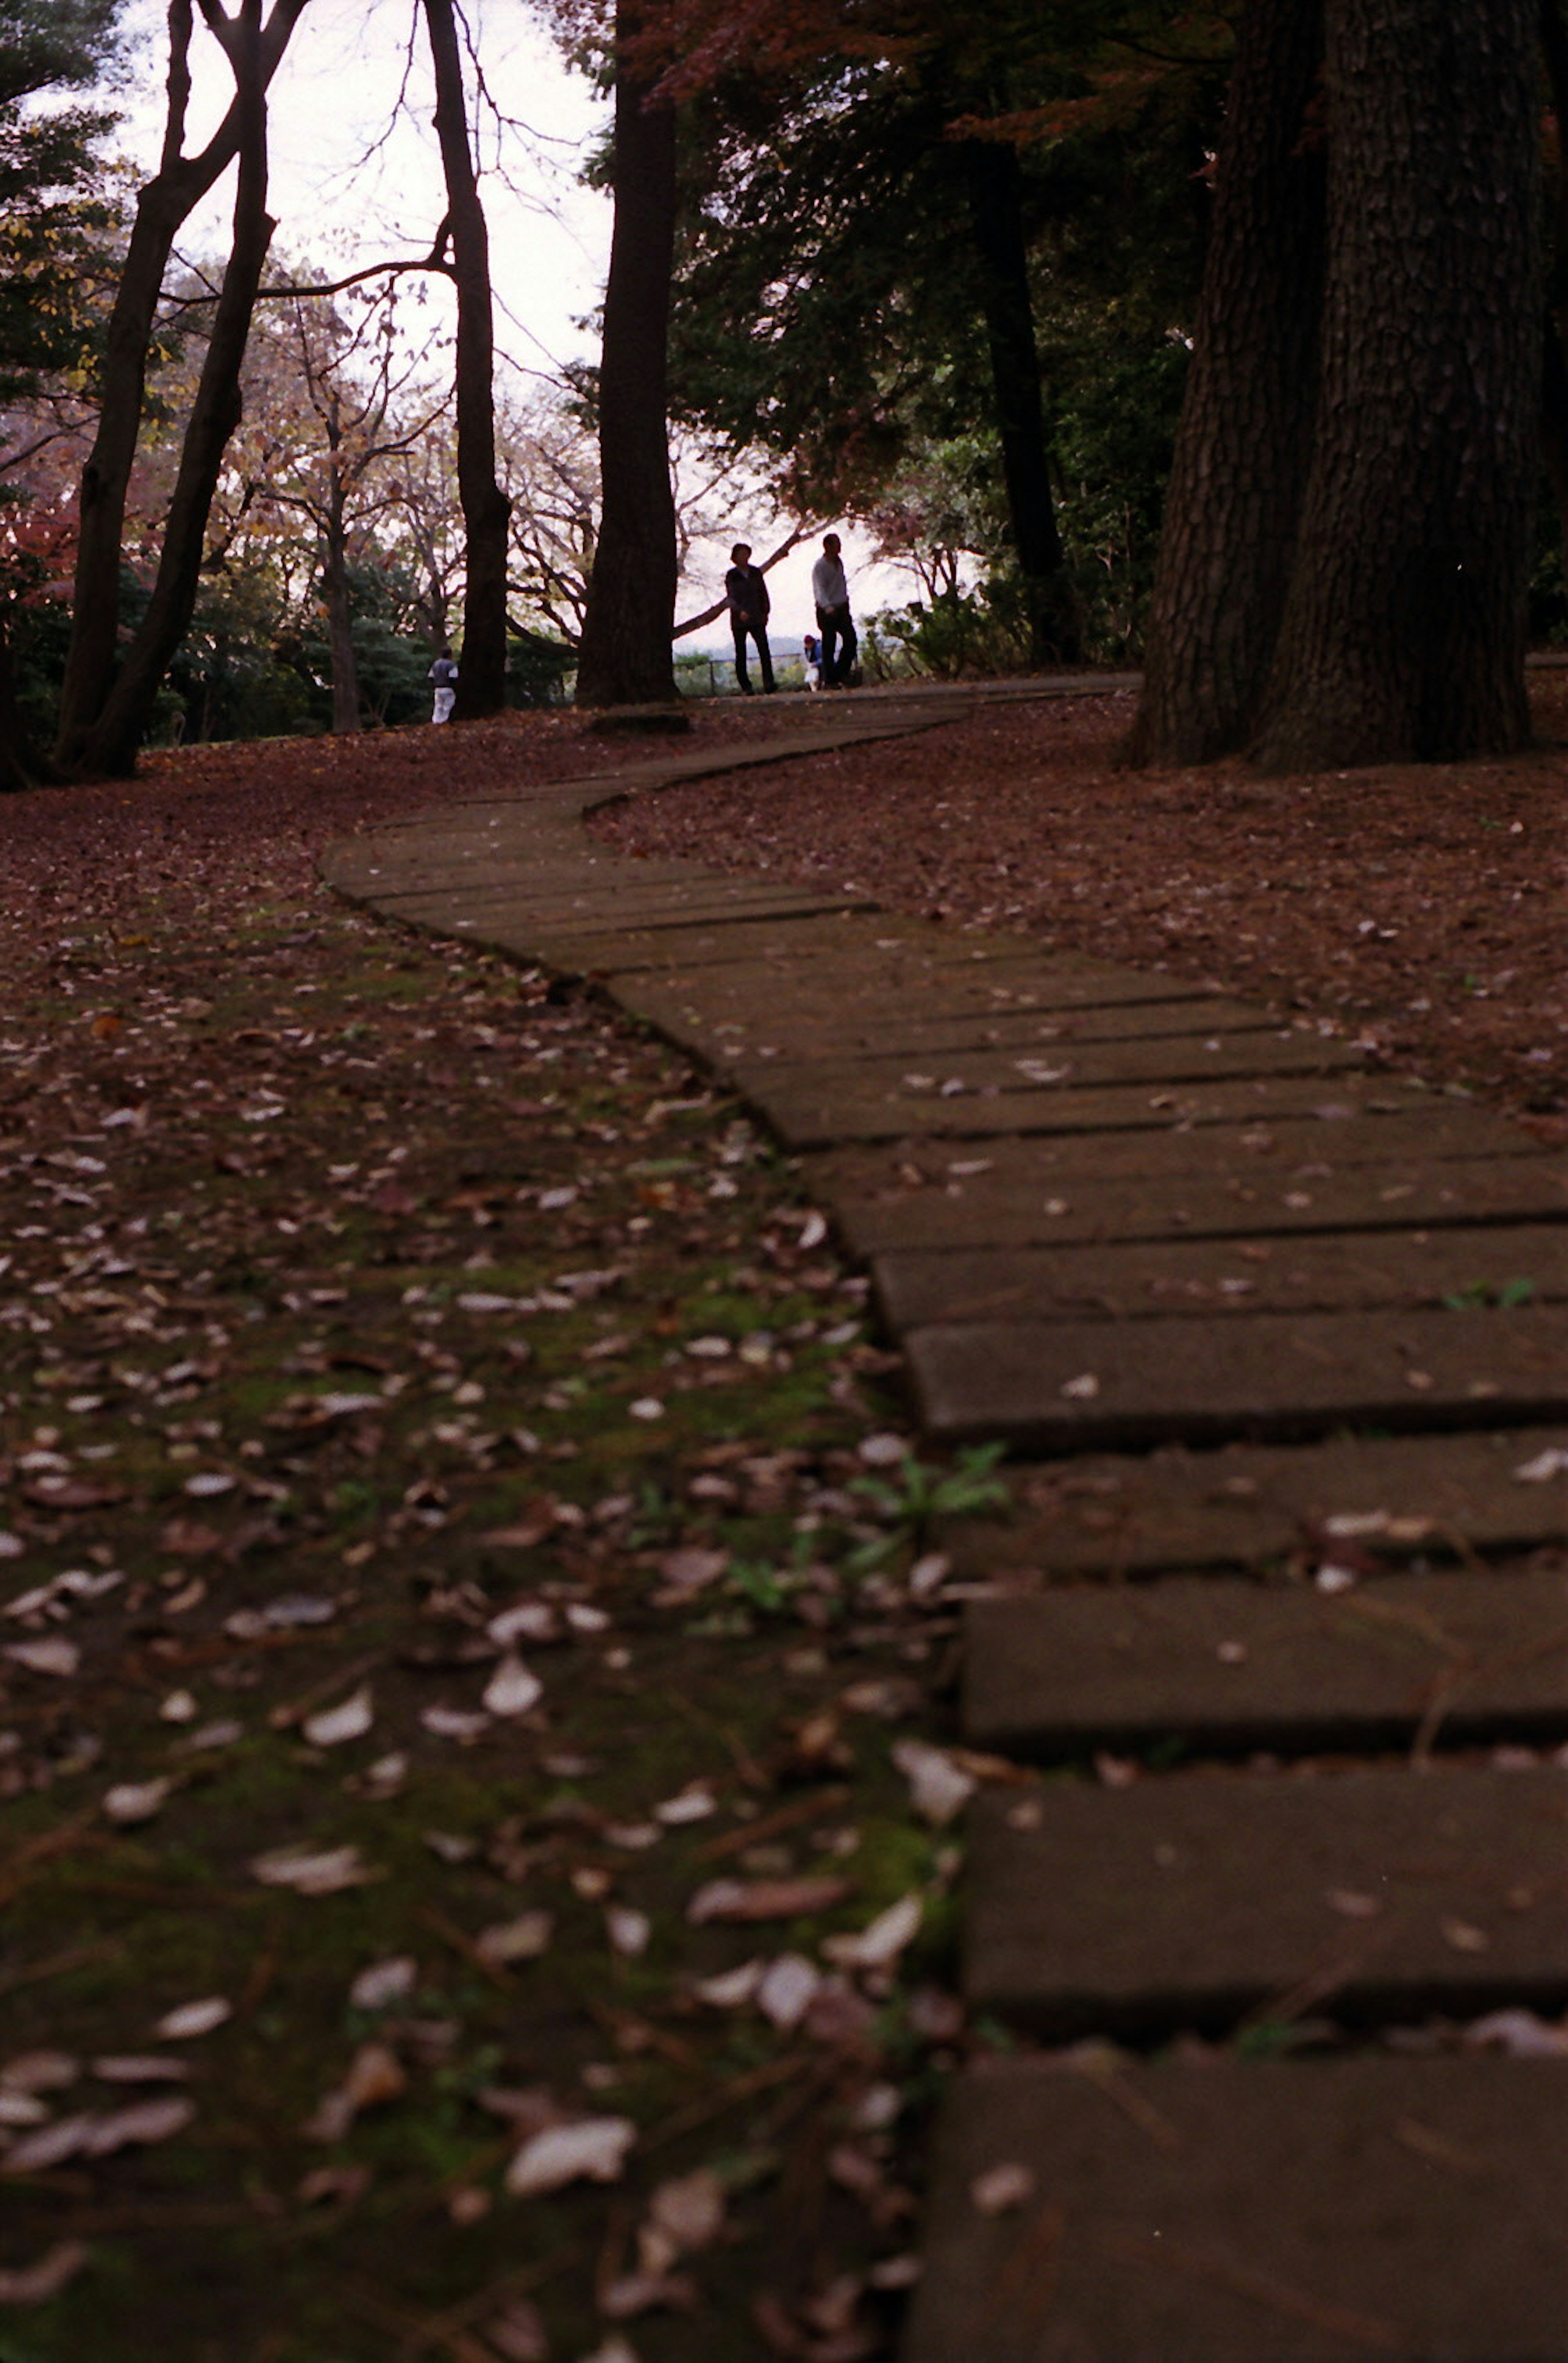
{"points": [[625, 659], [109, 744], [1404, 632], [995, 220], [1554, 379], [339, 614], [486, 511], [1244, 443], [179, 185]]}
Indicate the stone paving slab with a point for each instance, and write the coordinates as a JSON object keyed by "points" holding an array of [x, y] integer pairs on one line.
{"points": [[1250, 2212], [1065, 1386], [1344, 1270], [896, 1080], [812, 1114], [1195, 1899], [1225, 1667], [1367, 1501], [1241, 1196]]}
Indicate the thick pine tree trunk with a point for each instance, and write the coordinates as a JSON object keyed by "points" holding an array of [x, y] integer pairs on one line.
{"points": [[179, 185], [1404, 633], [625, 659], [486, 511], [1239, 468], [995, 220]]}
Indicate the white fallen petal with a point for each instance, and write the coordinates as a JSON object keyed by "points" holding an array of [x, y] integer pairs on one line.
{"points": [[51, 2144], [512, 1689], [688, 2211], [628, 1930], [453, 1722], [179, 1706], [382, 1983], [53, 1655], [939, 1790], [192, 2018], [526, 1938], [732, 1989], [1082, 1389], [19, 2109], [690, 1806], [785, 1990], [1552, 1462], [143, 2122], [1519, 2033], [592, 2150], [130, 1802], [208, 1483], [322, 1871], [140, 2068], [1002, 2188], [882, 1942], [529, 1620], [350, 1719]]}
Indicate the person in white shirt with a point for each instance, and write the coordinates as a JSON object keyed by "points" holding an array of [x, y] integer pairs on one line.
{"points": [[830, 592]]}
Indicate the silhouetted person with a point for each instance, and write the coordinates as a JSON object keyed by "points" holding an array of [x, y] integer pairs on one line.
{"points": [[747, 593], [830, 592]]}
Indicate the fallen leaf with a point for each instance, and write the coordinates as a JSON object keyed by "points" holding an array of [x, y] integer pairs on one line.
{"points": [[786, 1990], [383, 1983], [53, 1655], [628, 1930], [350, 1719], [881, 1943], [322, 1871], [141, 2123], [522, 1940], [939, 1790], [592, 2150], [1001, 2188], [193, 2018], [375, 2076], [765, 1899], [511, 1689], [134, 1801]]}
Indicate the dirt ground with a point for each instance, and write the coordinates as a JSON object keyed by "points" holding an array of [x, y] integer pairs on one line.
{"points": [[476, 1679]]}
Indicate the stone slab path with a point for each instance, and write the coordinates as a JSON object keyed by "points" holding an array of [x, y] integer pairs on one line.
{"points": [[1278, 1643]]}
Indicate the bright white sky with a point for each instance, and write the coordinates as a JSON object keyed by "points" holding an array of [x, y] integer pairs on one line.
{"points": [[355, 179]]}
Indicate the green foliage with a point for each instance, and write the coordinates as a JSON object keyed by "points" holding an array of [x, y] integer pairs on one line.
{"points": [[912, 1503]]}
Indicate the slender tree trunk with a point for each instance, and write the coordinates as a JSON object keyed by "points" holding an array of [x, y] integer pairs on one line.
{"points": [[991, 181], [1404, 633], [109, 744], [340, 616], [1244, 443], [179, 185], [625, 659], [486, 511]]}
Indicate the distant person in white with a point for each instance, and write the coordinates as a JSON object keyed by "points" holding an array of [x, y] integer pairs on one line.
{"points": [[832, 594], [443, 676]]}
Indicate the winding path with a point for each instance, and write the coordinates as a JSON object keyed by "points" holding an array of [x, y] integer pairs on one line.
{"points": [[1281, 1344]]}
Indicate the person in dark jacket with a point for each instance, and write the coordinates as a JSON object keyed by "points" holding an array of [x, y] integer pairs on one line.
{"points": [[747, 593]]}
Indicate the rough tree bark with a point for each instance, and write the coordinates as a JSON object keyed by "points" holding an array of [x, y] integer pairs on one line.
{"points": [[1239, 468], [1404, 632], [177, 187], [486, 511], [991, 179], [625, 659], [107, 745]]}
